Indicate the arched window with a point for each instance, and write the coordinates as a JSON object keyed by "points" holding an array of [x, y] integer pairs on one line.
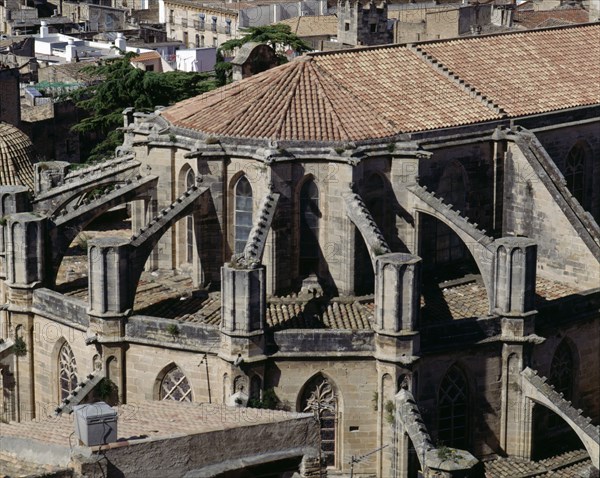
{"points": [[255, 388], [190, 179], [309, 228], [453, 410], [319, 398], [243, 213], [575, 172], [67, 371], [375, 200], [452, 186], [561, 370], [175, 386]]}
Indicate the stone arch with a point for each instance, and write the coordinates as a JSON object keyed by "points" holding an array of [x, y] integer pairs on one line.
{"points": [[240, 384], [110, 368], [172, 384], [536, 391], [454, 398], [320, 395]]}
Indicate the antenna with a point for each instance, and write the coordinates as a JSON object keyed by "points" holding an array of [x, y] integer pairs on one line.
{"points": [[358, 459]]}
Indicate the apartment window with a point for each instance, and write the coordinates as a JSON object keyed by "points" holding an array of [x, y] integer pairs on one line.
{"points": [[228, 27], [171, 16], [215, 41], [184, 23], [213, 26], [373, 27], [201, 21], [201, 40], [347, 26]]}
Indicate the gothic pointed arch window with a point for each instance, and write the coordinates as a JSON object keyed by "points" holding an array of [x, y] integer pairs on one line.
{"points": [[309, 228], [67, 371], [575, 172], [175, 386], [319, 397], [453, 404], [189, 222], [243, 213], [561, 370]]}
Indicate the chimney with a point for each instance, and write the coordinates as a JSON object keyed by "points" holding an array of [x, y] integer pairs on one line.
{"points": [[71, 50], [44, 30], [120, 42]]}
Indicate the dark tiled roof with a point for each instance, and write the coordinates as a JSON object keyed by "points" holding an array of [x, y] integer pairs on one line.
{"points": [[374, 93]]}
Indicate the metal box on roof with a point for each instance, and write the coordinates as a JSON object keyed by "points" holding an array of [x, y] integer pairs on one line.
{"points": [[95, 423]]}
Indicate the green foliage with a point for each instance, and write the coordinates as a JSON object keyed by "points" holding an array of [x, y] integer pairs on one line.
{"points": [[390, 412], [126, 86], [3, 221], [391, 147], [445, 453], [173, 330], [106, 390], [20, 347], [276, 36], [82, 241], [269, 401], [279, 37]]}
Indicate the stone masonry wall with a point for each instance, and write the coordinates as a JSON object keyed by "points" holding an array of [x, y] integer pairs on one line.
{"points": [[530, 210]]}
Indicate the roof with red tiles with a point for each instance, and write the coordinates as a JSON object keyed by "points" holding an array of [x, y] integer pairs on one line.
{"points": [[146, 56], [528, 19], [374, 93], [527, 73]]}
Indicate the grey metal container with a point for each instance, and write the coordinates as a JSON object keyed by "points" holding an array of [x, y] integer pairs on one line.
{"points": [[95, 423]]}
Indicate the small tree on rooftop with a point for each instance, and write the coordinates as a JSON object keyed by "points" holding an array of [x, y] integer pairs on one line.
{"points": [[279, 37]]}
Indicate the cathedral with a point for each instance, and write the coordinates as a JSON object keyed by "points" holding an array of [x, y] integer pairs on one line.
{"points": [[402, 240]]}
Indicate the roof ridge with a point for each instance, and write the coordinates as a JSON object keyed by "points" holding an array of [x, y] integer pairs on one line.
{"points": [[332, 111], [437, 65], [289, 101], [387, 123]]}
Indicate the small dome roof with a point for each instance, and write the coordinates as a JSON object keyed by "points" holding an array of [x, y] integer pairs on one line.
{"points": [[16, 157]]}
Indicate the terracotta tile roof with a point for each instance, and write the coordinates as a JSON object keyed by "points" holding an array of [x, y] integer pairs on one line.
{"points": [[529, 19], [16, 157], [312, 26], [566, 465], [527, 73], [351, 315], [375, 93], [159, 418], [148, 55], [346, 96]]}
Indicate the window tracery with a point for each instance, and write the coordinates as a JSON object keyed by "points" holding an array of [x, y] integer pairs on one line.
{"points": [[243, 213], [67, 371], [175, 386], [453, 410], [319, 398]]}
